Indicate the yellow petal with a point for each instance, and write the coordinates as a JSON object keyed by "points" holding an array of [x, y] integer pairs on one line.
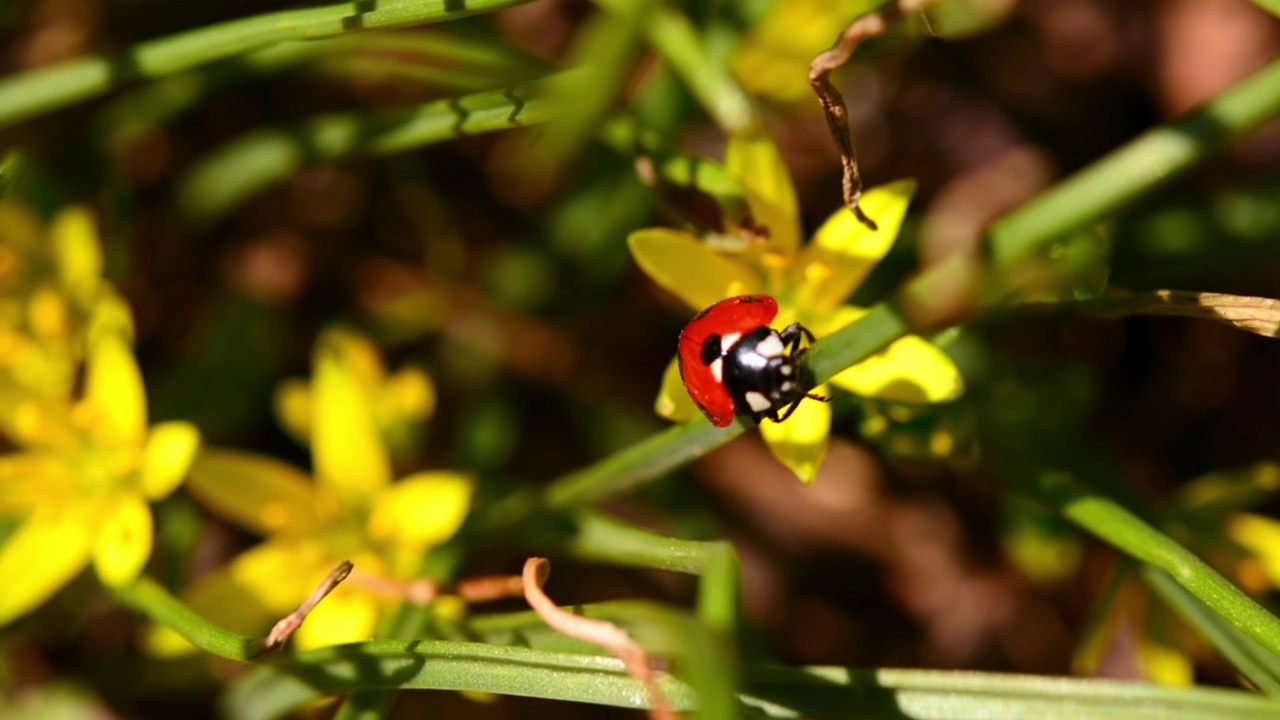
{"points": [[110, 316], [689, 269], [359, 356], [250, 593], [48, 549], [76, 249], [114, 396], [349, 456], [844, 250], [171, 447], [424, 509], [122, 545], [1259, 535], [910, 370], [292, 402], [30, 480], [800, 441], [349, 614], [753, 160], [260, 493], [673, 402], [411, 394]]}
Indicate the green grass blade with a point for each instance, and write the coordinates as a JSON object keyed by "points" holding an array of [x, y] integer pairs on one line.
{"points": [[1121, 528], [33, 92], [781, 692], [944, 695], [264, 157], [153, 600], [1260, 667], [1138, 168]]}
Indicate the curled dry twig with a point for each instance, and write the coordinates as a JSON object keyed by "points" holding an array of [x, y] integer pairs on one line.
{"points": [[597, 632], [287, 625], [833, 107]]}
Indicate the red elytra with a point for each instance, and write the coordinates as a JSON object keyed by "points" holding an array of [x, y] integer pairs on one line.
{"points": [[732, 362]]}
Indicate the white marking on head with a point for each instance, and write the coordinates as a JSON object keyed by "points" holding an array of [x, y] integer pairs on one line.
{"points": [[717, 369], [728, 341], [758, 402], [785, 369], [771, 347], [786, 386]]}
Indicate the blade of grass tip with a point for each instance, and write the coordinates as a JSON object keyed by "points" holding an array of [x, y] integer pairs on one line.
{"points": [[720, 590], [33, 92], [1138, 168], [600, 538], [1259, 667], [259, 159]]}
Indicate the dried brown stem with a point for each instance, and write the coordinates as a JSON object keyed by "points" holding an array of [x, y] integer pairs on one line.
{"points": [[419, 592], [597, 632], [286, 626], [833, 107], [490, 588]]}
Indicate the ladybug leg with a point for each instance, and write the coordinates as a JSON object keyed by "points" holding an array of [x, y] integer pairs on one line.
{"points": [[787, 413], [793, 335]]}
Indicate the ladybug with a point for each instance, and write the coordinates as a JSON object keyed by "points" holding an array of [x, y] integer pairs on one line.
{"points": [[732, 362]]}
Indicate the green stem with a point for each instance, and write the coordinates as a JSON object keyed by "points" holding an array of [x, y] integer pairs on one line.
{"points": [[601, 538], [780, 692], [1138, 168], [264, 157], [1260, 667], [33, 92], [150, 598], [1116, 525]]}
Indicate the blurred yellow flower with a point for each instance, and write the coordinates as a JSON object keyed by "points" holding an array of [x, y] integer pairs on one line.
{"points": [[351, 511], [401, 402], [811, 283], [53, 300], [84, 466], [82, 477], [773, 61]]}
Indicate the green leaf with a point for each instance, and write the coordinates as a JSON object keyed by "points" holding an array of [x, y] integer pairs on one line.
{"points": [[38, 91], [1260, 667], [220, 181]]}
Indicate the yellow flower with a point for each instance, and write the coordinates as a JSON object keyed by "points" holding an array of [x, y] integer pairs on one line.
{"points": [[810, 282], [401, 402], [53, 299], [773, 61], [351, 511], [82, 477]]}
